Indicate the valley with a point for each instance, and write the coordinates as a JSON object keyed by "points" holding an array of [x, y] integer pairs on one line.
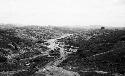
{"points": [[53, 51]]}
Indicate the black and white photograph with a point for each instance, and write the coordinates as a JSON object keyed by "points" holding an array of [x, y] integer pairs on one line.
{"points": [[62, 37]]}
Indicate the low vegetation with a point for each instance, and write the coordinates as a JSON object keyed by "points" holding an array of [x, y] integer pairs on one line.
{"points": [[24, 51]]}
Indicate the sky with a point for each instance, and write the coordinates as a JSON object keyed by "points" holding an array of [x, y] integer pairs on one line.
{"points": [[63, 12]]}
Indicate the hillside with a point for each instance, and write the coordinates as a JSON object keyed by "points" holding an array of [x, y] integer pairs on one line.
{"points": [[55, 51], [101, 50]]}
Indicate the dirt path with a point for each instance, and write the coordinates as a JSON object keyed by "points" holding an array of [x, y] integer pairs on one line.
{"points": [[53, 45], [51, 68]]}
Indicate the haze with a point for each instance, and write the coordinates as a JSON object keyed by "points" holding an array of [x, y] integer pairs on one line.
{"points": [[63, 12]]}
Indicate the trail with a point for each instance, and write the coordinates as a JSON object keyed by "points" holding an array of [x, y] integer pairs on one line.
{"points": [[51, 67], [53, 44]]}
